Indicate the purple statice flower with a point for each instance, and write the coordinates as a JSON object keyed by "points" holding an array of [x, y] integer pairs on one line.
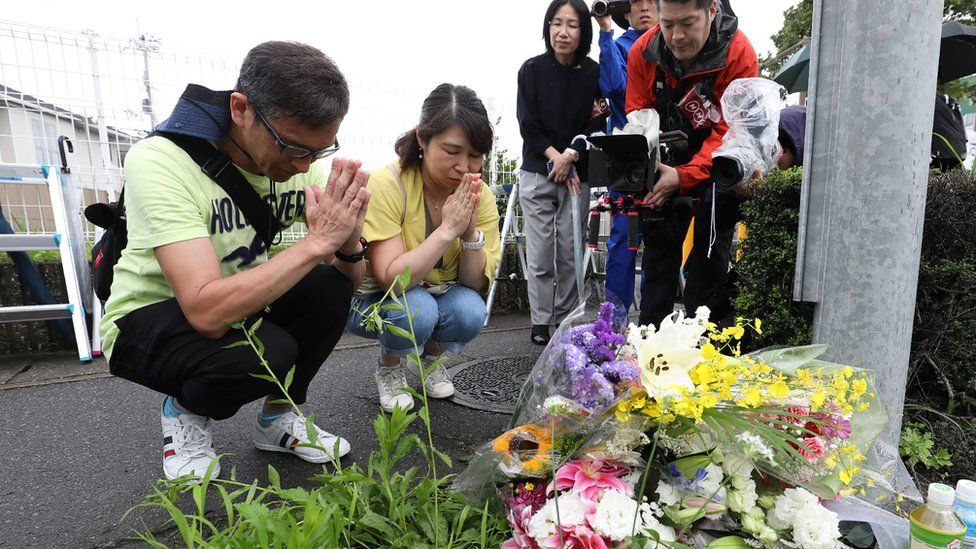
{"points": [[591, 388], [595, 377], [618, 372]]}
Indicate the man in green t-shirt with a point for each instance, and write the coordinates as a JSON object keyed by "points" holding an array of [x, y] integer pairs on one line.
{"points": [[194, 264]]}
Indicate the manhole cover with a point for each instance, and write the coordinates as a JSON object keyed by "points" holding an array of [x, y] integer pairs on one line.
{"points": [[491, 384]]}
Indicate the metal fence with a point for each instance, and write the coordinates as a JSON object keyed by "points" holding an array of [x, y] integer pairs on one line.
{"points": [[105, 93]]}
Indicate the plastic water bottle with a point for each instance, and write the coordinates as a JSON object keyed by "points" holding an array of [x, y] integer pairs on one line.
{"points": [[965, 507], [934, 525]]}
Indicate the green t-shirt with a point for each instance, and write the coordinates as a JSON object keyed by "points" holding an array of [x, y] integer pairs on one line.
{"points": [[169, 199]]}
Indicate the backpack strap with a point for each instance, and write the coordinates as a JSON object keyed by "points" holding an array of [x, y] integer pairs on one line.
{"points": [[217, 165]]}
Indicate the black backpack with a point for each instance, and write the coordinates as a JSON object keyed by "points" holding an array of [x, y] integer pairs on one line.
{"points": [[213, 162]]}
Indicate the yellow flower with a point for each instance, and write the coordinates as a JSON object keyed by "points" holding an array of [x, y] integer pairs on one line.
{"points": [[709, 400], [703, 374], [709, 351], [803, 378], [859, 387], [847, 475], [758, 326], [848, 372], [863, 406], [841, 384], [753, 397], [818, 398], [779, 389]]}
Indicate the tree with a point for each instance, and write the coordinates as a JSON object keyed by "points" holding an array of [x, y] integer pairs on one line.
{"points": [[798, 23]]}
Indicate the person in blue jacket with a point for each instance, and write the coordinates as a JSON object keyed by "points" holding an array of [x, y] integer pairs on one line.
{"points": [[621, 262]]}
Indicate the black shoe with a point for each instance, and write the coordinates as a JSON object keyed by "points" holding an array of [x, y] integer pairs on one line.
{"points": [[540, 334]]}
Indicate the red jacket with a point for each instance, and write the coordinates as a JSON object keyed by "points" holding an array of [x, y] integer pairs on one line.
{"points": [[739, 61]]}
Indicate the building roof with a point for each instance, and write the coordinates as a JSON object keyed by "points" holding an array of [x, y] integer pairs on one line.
{"points": [[28, 102]]}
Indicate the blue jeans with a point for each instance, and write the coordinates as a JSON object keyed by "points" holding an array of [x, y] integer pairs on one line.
{"points": [[449, 320]]}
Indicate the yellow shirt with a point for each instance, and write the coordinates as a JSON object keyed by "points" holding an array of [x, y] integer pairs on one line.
{"points": [[395, 212]]}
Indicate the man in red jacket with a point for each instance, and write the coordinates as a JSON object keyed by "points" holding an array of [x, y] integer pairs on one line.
{"points": [[681, 69]]}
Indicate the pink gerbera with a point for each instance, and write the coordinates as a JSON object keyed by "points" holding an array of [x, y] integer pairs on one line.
{"points": [[588, 477]]}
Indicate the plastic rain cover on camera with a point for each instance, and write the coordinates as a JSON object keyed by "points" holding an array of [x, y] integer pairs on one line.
{"points": [[646, 122], [751, 108], [565, 409]]}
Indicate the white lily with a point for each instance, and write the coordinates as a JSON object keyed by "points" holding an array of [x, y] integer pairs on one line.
{"points": [[667, 355]]}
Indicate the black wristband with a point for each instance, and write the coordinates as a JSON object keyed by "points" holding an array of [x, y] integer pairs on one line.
{"points": [[356, 257]]}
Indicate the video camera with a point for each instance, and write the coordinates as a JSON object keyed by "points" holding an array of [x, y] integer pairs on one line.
{"points": [[751, 107], [627, 165], [602, 8]]}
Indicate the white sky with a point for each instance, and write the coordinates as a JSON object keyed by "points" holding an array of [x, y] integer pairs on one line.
{"points": [[403, 45]]}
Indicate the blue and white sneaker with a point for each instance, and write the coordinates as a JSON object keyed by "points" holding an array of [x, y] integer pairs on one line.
{"points": [[285, 433]]}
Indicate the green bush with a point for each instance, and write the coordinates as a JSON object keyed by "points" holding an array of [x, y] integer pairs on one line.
{"points": [[766, 262], [943, 345]]}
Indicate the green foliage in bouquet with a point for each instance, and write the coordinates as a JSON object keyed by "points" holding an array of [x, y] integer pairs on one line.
{"points": [[383, 505]]}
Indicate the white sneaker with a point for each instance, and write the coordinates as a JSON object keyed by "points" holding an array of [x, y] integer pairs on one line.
{"points": [[188, 447], [437, 382], [390, 382], [285, 433]]}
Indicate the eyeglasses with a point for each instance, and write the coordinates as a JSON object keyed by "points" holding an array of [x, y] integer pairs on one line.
{"points": [[295, 151]]}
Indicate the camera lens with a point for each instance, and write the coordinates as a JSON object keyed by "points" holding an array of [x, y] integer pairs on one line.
{"points": [[726, 172], [634, 174]]}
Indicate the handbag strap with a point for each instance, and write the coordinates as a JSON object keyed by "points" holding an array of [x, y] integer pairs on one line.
{"points": [[403, 192]]}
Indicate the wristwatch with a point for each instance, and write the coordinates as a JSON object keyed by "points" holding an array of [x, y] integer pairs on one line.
{"points": [[477, 244], [356, 257]]}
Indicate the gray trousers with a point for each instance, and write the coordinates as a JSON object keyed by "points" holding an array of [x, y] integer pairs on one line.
{"points": [[548, 225]]}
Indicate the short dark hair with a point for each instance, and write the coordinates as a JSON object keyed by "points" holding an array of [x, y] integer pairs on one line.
{"points": [[296, 81], [586, 27], [447, 106], [700, 4]]}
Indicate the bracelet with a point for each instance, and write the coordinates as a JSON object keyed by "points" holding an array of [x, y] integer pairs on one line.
{"points": [[356, 257], [477, 244]]}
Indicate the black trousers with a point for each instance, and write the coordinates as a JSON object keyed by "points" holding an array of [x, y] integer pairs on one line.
{"points": [[704, 277], [158, 348]]}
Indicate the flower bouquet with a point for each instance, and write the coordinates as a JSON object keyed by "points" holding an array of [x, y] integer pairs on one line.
{"points": [[670, 436]]}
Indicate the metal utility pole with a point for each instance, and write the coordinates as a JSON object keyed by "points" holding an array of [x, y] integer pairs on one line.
{"points": [[147, 44], [872, 78]]}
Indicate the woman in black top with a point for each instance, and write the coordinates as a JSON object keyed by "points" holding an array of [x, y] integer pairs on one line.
{"points": [[557, 92]]}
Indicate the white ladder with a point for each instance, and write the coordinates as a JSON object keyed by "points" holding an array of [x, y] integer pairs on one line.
{"points": [[68, 241]]}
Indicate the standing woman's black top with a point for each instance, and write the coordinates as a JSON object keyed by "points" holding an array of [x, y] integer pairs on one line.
{"points": [[555, 103]]}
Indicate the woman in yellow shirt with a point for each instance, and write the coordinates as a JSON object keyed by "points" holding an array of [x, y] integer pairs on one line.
{"points": [[431, 212]]}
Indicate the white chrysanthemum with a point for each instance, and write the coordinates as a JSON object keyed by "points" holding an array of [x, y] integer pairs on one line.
{"points": [[572, 511], [666, 494], [665, 533], [666, 355], [817, 528], [793, 502], [614, 515]]}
